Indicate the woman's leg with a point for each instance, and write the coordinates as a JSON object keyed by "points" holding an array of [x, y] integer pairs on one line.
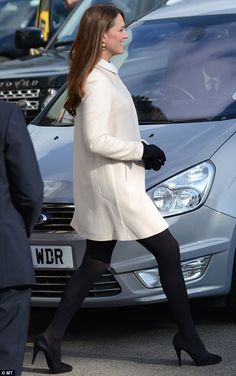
{"points": [[165, 249], [96, 260]]}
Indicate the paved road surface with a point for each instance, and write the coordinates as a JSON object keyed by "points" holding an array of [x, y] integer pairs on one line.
{"points": [[135, 342]]}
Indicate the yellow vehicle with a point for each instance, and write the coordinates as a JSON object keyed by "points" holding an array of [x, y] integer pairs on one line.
{"points": [[43, 18]]}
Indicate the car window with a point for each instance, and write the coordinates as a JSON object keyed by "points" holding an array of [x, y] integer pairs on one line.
{"points": [[177, 70], [16, 14], [57, 115], [59, 13], [133, 9], [183, 69], [50, 16]]}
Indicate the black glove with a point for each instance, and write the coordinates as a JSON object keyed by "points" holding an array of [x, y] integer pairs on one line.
{"points": [[153, 157], [151, 164], [147, 164]]}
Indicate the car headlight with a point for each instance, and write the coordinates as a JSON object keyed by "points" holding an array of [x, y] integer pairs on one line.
{"points": [[184, 192], [192, 269]]}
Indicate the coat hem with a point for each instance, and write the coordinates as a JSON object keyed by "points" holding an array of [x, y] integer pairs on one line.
{"points": [[109, 237]]}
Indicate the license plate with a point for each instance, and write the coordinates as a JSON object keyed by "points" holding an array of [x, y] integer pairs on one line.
{"points": [[52, 257]]}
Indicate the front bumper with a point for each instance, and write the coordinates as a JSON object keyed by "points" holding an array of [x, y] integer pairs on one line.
{"points": [[200, 233]]}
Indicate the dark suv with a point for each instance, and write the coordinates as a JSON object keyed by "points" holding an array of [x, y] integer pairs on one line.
{"points": [[33, 81]]}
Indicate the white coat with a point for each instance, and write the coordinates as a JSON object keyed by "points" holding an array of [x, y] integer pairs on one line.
{"points": [[109, 175]]}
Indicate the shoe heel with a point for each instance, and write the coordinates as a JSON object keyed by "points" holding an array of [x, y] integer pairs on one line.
{"points": [[35, 352], [178, 353]]}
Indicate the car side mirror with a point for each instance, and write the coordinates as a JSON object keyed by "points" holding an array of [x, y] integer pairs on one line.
{"points": [[29, 37]]}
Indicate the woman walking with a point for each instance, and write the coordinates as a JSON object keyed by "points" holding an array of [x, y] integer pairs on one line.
{"points": [[109, 185]]}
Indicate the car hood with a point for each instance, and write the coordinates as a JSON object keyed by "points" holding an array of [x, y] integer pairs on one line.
{"points": [[50, 64], [184, 144]]}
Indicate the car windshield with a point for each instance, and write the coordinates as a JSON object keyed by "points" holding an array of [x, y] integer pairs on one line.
{"points": [[183, 69], [133, 9], [59, 13], [177, 70], [16, 14]]}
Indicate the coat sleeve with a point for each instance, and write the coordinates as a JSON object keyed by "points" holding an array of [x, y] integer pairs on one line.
{"points": [[25, 183], [96, 118]]}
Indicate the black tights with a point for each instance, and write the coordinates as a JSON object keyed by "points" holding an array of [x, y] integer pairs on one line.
{"points": [[96, 260]]}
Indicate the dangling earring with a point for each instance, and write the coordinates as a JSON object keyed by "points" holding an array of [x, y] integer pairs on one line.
{"points": [[103, 46]]}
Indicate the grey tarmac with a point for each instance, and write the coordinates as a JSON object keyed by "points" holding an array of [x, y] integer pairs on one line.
{"points": [[135, 341]]}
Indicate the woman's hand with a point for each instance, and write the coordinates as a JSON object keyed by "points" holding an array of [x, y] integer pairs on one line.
{"points": [[153, 157]]}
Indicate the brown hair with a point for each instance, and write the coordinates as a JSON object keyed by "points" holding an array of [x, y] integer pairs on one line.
{"points": [[86, 49]]}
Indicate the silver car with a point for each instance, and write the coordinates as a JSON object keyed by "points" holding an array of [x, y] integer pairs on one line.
{"points": [[180, 66]]}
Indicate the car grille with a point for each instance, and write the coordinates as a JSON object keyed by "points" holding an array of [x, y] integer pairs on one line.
{"points": [[28, 99], [55, 218], [51, 283]]}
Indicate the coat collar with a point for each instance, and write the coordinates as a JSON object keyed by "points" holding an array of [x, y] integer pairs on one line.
{"points": [[106, 65]]}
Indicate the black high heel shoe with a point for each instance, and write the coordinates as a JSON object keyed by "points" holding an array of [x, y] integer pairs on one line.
{"points": [[203, 359], [53, 359]]}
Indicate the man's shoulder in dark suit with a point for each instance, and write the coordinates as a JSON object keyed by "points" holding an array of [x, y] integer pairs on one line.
{"points": [[21, 193]]}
